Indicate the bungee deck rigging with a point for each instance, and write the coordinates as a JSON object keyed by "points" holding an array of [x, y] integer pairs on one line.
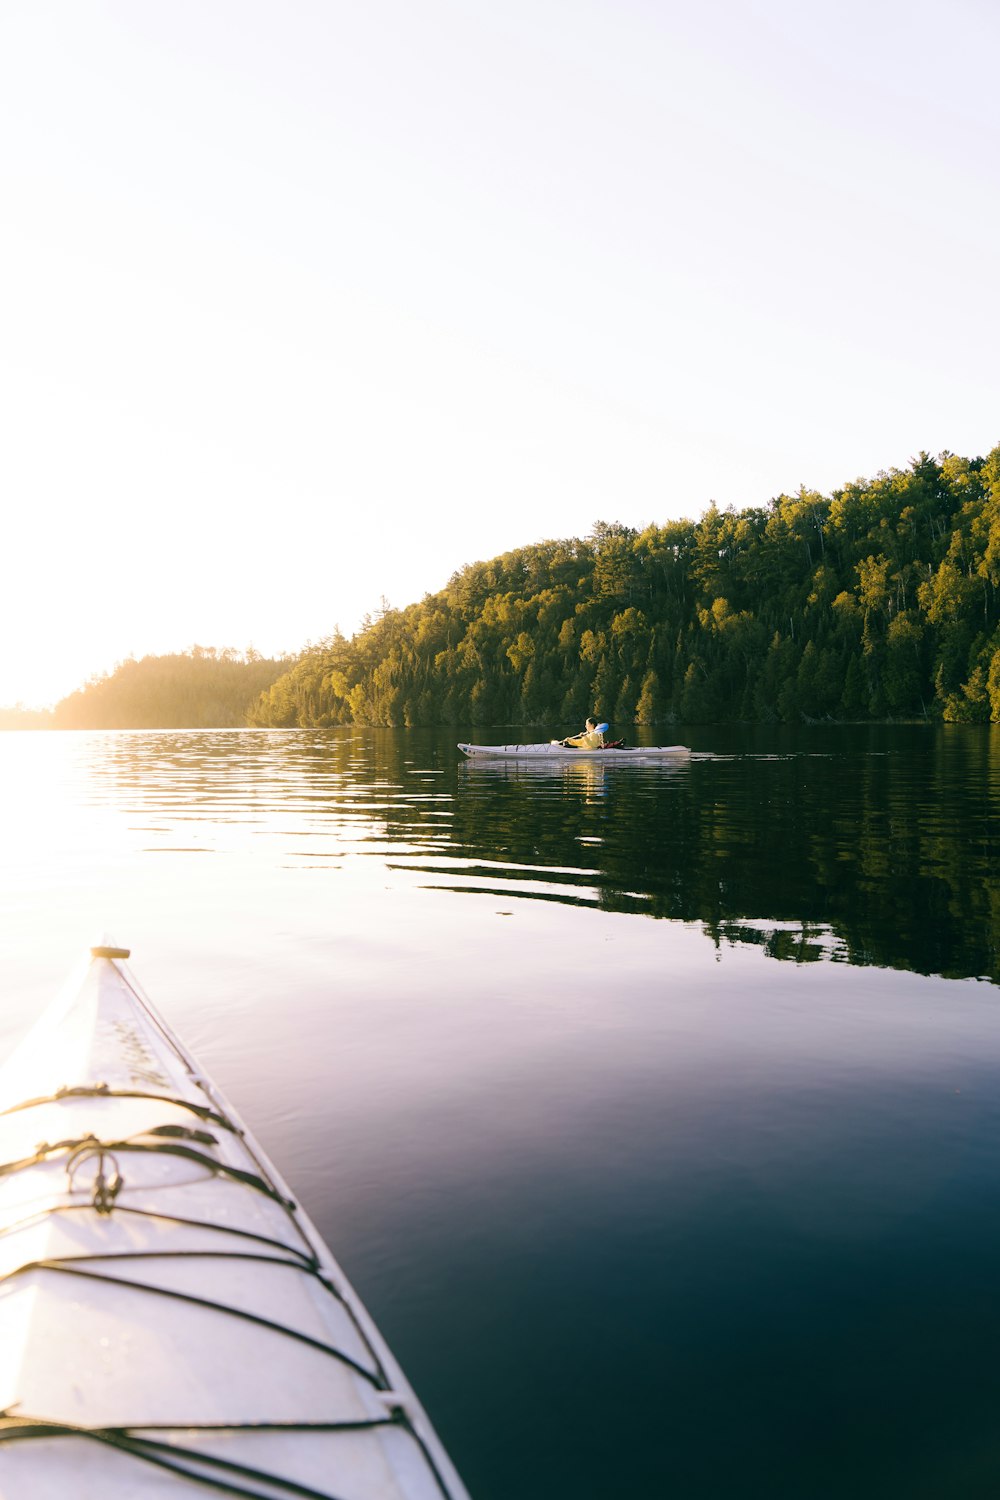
{"points": [[174, 1249]]}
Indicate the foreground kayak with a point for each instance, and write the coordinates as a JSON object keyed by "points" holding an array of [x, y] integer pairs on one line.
{"points": [[566, 752], [171, 1323]]}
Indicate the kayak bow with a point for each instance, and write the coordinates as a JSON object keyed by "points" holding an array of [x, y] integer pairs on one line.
{"points": [[171, 1322]]}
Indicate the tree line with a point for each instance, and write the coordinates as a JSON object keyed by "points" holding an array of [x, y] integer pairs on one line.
{"points": [[879, 601], [202, 688], [16, 716]]}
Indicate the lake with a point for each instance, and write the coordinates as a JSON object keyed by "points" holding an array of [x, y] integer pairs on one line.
{"points": [[653, 1111]]}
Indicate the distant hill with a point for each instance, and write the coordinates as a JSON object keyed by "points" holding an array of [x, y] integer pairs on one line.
{"points": [[198, 689], [877, 601], [17, 717]]}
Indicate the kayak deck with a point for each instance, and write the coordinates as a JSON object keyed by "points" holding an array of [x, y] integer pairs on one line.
{"points": [[171, 1322], [568, 752]]}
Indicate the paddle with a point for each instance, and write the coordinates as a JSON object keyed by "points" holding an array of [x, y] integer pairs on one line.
{"points": [[600, 728]]}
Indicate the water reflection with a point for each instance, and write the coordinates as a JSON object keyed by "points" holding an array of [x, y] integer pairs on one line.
{"points": [[868, 846]]}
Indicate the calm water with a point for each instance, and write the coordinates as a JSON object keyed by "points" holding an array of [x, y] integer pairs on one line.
{"points": [[654, 1112]]}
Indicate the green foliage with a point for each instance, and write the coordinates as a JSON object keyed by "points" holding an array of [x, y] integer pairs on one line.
{"points": [[879, 600], [198, 689]]}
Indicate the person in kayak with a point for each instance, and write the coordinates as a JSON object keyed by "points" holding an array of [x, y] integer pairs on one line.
{"points": [[590, 738]]}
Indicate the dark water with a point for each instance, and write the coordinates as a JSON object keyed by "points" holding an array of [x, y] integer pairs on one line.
{"points": [[872, 846], [653, 1111]]}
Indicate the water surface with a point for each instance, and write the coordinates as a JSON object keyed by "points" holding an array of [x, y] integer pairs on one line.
{"points": [[652, 1110]]}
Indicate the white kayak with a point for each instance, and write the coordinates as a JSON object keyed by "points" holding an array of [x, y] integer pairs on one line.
{"points": [[171, 1323], [567, 752]]}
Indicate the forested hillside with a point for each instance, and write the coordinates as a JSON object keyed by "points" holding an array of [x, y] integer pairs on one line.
{"points": [[877, 601], [197, 689]]}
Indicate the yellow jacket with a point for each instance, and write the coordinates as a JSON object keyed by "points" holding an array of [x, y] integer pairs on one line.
{"points": [[590, 739]]}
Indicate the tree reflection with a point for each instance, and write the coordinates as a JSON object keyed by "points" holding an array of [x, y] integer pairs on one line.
{"points": [[865, 846]]}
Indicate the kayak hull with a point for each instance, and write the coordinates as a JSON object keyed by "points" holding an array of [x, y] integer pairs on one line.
{"points": [[545, 752], [158, 1283]]}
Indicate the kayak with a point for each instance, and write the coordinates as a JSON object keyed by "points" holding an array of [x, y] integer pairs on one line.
{"points": [[567, 752], [171, 1322]]}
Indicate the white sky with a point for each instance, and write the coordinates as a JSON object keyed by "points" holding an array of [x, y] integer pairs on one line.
{"points": [[303, 303]]}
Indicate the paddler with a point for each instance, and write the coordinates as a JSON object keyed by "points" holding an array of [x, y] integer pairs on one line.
{"points": [[590, 738]]}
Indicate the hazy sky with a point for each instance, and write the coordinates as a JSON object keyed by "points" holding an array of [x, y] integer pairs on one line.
{"points": [[303, 304]]}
